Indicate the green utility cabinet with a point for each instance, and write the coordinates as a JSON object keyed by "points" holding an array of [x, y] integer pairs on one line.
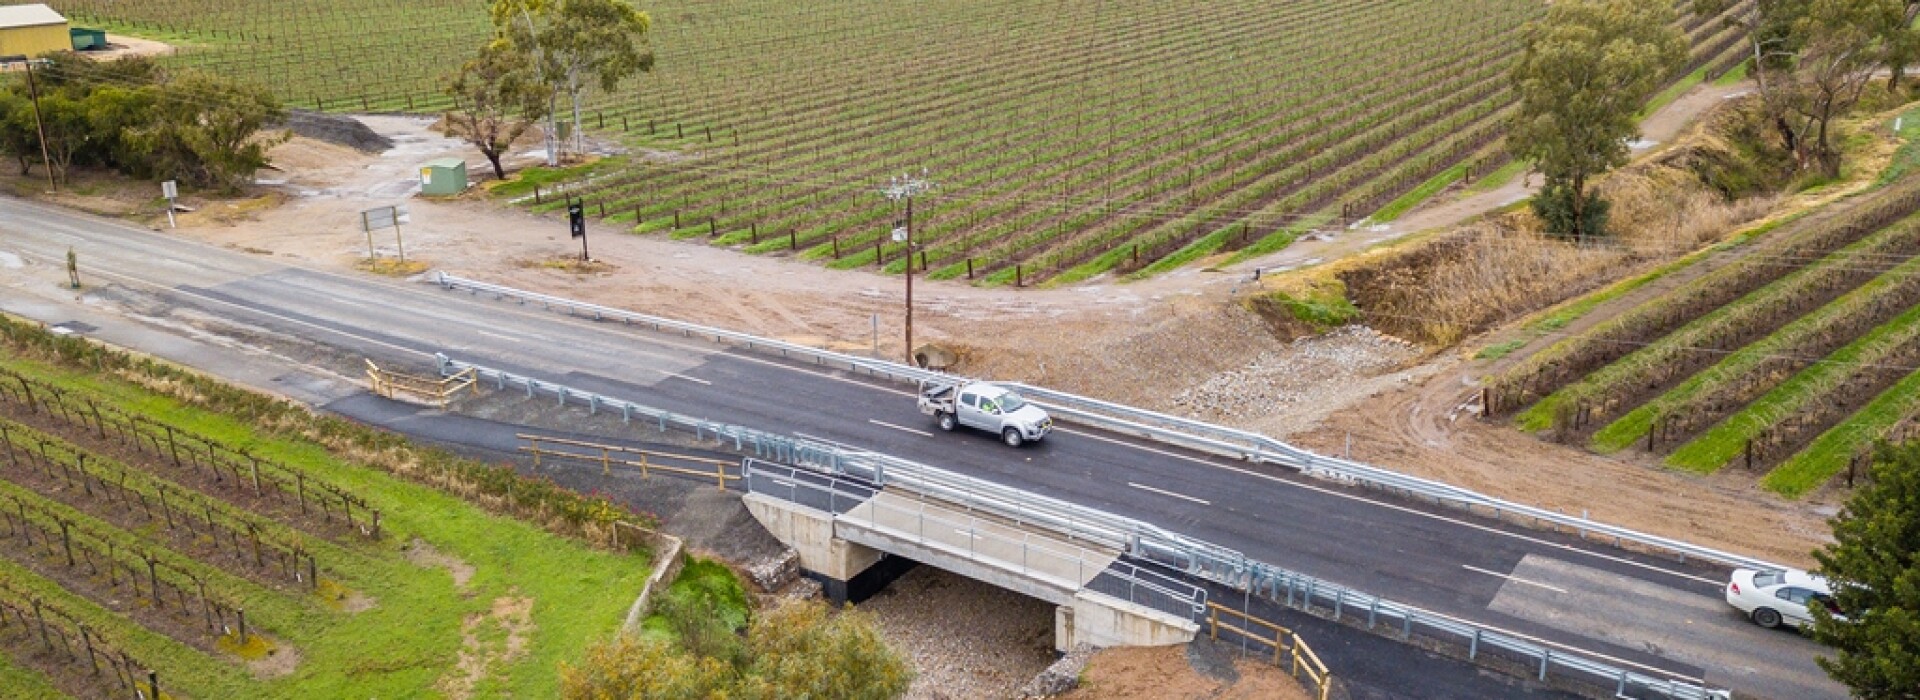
{"points": [[446, 176]]}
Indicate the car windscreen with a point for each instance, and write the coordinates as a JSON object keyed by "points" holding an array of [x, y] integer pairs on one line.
{"points": [[1766, 578], [1011, 402]]}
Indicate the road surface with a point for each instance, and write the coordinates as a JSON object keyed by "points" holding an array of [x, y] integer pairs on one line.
{"points": [[302, 333]]}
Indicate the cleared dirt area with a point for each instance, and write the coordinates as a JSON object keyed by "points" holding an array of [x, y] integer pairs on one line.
{"points": [[1182, 342], [1184, 672]]}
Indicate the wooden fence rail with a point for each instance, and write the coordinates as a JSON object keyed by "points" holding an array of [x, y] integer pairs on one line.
{"points": [[1289, 650], [609, 456]]}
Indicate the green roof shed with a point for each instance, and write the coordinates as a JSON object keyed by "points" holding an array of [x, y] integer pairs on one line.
{"points": [[445, 176]]}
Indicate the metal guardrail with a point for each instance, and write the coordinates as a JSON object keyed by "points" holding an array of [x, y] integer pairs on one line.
{"points": [[1156, 426], [814, 462], [1037, 558]]}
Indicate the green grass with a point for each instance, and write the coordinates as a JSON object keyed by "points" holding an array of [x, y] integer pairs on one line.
{"points": [[1829, 453], [1731, 77], [1906, 160], [522, 183], [1673, 92], [1632, 426], [1725, 440], [1499, 350], [1500, 176], [412, 635], [1394, 209], [22, 683]]}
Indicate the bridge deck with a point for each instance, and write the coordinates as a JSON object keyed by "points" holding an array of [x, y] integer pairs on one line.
{"points": [[950, 537]]}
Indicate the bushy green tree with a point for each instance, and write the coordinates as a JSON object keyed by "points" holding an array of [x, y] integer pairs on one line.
{"points": [[800, 650], [1874, 565], [1587, 69], [803, 651], [497, 96], [575, 44], [130, 115]]}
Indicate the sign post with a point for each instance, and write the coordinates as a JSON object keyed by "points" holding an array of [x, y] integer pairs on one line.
{"points": [[382, 217], [577, 224], [171, 191]]}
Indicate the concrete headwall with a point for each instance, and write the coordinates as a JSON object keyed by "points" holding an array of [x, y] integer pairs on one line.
{"points": [[1105, 621], [810, 533]]}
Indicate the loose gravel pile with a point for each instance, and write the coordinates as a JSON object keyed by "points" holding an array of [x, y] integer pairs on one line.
{"points": [[1308, 371], [965, 639]]}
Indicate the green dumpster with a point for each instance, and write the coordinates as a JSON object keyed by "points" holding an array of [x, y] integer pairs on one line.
{"points": [[88, 39]]}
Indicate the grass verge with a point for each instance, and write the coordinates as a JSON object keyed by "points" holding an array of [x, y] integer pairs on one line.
{"points": [[1394, 209]]}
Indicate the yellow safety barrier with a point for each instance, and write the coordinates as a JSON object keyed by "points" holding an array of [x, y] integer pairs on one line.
{"points": [[1286, 645], [400, 387], [605, 456]]}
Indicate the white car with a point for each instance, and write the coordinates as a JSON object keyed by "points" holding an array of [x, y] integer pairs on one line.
{"points": [[1772, 597]]}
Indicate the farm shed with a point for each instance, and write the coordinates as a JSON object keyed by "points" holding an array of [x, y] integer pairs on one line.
{"points": [[32, 30], [443, 177]]}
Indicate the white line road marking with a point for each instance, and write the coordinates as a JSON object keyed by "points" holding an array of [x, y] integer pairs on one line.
{"points": [[344, 302], [1164, 492], [677, 375], [900, 428], [1514, 579], [497, 336]]}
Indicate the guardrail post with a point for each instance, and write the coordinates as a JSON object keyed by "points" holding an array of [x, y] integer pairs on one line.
{"points": [[1339, 601], [1546, 656], [626, 413], [1406, 624], [1373, 612], [1473, 647]]}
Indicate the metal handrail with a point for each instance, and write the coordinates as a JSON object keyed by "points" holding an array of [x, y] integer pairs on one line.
{"points": [[1193, 557], [1149, 424]]}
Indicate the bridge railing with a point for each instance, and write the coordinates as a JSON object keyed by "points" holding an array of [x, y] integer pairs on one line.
{"points": [[1153, 425], [982, 539], [834, 476]]}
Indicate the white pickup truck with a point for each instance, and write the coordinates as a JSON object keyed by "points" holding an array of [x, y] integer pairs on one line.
{"points": [[985, 406]]}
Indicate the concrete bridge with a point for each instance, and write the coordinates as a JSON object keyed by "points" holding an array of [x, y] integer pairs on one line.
{"points": [[854, 538]]}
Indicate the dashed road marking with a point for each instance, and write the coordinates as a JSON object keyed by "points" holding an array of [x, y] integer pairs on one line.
{"points": [[1164, 492], [900, 428], [1514, 579]]}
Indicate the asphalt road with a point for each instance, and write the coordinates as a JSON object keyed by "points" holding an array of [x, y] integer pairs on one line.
{"points": [[303, 333]]}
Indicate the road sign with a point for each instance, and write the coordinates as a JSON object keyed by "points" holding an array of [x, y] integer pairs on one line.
{"points": [[577, 218], [171, 191], [383, 217]]}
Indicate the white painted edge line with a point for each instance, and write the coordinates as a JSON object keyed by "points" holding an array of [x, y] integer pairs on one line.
{"points": [[355, 304], [1164, 492], [1514, 579], [900, 428], [496, 336]]}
